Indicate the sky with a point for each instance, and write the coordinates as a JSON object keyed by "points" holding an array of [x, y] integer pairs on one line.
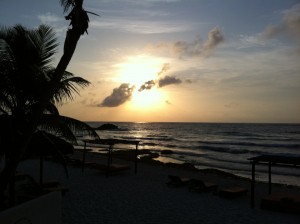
{"points": [[179, 60]]}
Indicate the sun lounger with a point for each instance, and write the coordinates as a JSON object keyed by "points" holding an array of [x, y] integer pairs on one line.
{"points": [[233, 192], [27, 187], [111, 169], [202, 186], [176, 181], [282, 202]]}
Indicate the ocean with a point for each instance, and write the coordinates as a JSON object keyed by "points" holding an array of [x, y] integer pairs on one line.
{"points": [[223, 146]]}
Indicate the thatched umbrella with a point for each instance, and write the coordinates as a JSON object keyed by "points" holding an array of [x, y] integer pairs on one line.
{"points": [[44, 144]]}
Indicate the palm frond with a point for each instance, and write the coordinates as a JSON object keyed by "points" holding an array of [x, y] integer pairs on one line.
{"points": [[45, 44], [67, 4], [66, 127], [7, 59], [93, 13], [6, 103], [56, 126], [52, 109], [68, 86], [80, 128], [7, 134]]}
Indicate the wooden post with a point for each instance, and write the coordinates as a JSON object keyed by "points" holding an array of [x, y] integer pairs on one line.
{"points": [[41, 169], [135, 159], [83, 157], [109, 159], [12, 191], [270, 181], [252, 184]]}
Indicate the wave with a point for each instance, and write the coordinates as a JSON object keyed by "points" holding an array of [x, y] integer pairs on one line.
{"points": [[241, 134], [226, 150], [266, 145], [159, 137]]}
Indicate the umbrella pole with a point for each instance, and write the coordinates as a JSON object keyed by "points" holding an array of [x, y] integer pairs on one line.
{"points": [[109, 159], [135, 159], [83, 157], [41, 169]]}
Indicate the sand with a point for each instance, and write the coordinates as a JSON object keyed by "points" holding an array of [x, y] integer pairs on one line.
{"points": [[145, 198]]}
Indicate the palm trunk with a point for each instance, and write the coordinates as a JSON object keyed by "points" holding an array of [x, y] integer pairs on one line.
{"points": [[8, 172]]}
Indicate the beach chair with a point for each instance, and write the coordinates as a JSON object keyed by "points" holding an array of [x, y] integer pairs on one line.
{"points": [[282, 202], [27, 187], [232, 192], [176, 181], [113, 168], [202, 186]]}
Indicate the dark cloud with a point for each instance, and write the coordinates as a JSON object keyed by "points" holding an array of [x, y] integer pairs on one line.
{"points": [[164, 69], [182, 48], [168, 102], [150, 84], [119, 96], [290, 25], [214, 38], [196, 48], [147, 85], [165, 81], [168, 80], [231, 105], [188, 81]]}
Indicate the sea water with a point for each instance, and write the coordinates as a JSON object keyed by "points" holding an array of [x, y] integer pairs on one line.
{"points": [[222, 146]]}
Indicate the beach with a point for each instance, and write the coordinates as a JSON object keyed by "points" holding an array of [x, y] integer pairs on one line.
{"points": [[144, 197]]}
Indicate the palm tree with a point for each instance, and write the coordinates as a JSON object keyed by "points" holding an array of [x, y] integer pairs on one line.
{"points": [[25, 62], [26, 76]]}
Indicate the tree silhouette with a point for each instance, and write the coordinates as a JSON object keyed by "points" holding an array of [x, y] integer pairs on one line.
{"points": [[23, 125]]}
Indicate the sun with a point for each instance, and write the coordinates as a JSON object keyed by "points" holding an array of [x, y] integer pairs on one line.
{"points": [[147, 99], [137, 71]]}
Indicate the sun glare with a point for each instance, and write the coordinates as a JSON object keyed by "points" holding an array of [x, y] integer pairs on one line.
{"points": [[138, 70], [146, 99]]}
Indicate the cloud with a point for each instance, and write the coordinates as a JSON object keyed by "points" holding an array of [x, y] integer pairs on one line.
{"points": [[214, 38], [49, 18], [168, 102], [119, 96], [164, 69], [151, 83], [132, 25], [189, 81], [195, 48], [231, 105], [164, 81], [290, 25], [147, 85], [249, 41], [168, 80], [54, 21]]}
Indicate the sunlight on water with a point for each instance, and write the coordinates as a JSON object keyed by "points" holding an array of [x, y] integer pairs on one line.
{"points": [[164, 159]]}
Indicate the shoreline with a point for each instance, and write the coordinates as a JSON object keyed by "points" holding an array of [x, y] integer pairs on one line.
{"points": [[148, 157]]}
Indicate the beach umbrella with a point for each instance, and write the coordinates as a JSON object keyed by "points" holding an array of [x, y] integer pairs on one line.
{"points": [[44, 144]]}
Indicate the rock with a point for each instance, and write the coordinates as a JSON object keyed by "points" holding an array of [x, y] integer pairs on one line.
{"points": [[166, 152], [107, 127]]}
